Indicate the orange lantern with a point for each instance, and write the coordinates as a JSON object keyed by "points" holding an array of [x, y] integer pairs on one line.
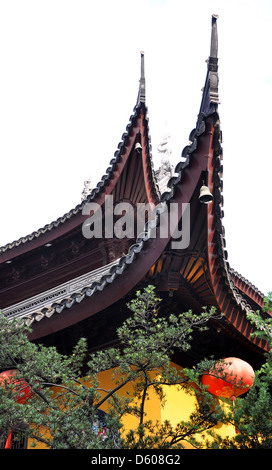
{"points": [[229, 378], [20, 386]]}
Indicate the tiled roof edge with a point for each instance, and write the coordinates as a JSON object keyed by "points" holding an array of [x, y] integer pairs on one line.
{"points": [[95, 191], [135, 249]]}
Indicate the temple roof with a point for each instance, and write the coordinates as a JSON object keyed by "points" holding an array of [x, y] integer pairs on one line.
{"points": [[129, 138], [199, 274]]}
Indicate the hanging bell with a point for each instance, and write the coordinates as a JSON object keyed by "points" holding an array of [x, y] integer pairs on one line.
{"points": [[205, 196], [138, 147]]}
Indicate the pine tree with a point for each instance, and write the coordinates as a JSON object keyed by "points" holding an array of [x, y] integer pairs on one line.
{"points": [[64, 410]]}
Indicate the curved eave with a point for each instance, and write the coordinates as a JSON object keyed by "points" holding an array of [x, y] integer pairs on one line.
{"points": [[131, 268], [136, 129], [230, 299], [203, 154], [247, 289]]}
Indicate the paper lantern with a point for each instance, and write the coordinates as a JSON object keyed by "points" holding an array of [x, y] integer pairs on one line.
{"points": [[20, 386], [229, 378]]}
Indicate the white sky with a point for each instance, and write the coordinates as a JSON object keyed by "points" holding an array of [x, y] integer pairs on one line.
{"points": [[69, 79]]}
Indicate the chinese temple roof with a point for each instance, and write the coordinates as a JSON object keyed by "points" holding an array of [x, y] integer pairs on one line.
{"points": [[72, 292], [24, 244]]}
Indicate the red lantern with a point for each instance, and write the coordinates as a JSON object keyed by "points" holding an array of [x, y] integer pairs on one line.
{"points": [[229, 378], [20, 386]]}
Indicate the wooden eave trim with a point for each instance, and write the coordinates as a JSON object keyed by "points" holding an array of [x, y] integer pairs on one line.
{"points": [[149, 179], [248, 289], [230, 303]]}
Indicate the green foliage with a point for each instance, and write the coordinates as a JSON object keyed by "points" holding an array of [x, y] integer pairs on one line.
{"points": [[268, 303], [62, 412], [66, 417]]}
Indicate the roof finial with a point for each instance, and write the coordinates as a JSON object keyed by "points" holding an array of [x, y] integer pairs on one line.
{"points": [[214, 38], [141, 95], [213, 62], [210, 98]]}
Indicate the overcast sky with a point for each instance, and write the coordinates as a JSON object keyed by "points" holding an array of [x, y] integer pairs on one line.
{"points": [[68, 84]]}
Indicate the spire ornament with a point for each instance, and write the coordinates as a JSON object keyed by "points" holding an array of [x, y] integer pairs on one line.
{"points": [[213, 63], [141, 94], [210, 97]]}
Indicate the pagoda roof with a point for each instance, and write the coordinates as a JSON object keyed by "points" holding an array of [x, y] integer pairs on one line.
{"points": [[74, 218], [215, 283]]}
